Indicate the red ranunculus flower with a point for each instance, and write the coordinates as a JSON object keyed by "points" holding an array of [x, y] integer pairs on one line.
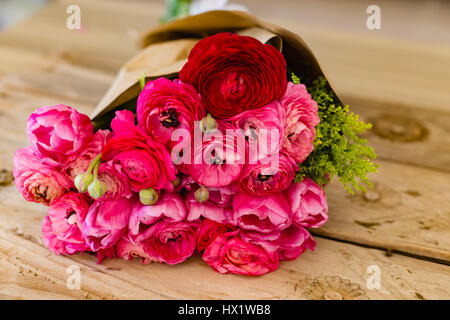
{"points": [[144, 161], [235, 73]]}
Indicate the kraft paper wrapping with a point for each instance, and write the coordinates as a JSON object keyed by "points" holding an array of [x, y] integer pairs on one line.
{"points": [[166, 49]]}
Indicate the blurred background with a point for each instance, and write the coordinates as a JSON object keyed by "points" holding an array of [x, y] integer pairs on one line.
{"points": [[13, 11]]}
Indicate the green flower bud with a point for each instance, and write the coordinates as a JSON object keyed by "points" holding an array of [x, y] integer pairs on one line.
{"points": [[97, 189], [202, 194], [82, 181], [208, 123], [148, 196]]}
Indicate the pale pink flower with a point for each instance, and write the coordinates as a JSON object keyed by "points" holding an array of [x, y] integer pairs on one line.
{"points": [[37, 181]]}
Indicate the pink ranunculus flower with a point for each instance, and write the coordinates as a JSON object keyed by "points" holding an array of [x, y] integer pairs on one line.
{"points": [[106, 222], [308, 203], [294, 241], [50, 240], [207, 210], [263, 129], [218, 159], [209, 231], [170, 206], [116, 183], [301, 120], [289, 243], [127, 250], [230, 254], [78, 163], [171, 242], [267, 178], [164, 106], [262, 214], [58, 131], [144, 161], [37, 181], [66, 216]]}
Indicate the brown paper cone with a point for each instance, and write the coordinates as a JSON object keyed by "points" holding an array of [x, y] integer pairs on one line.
{"points": [[167, 47]]}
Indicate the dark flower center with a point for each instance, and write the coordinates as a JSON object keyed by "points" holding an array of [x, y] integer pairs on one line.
{"points": [[41, 194], [70, 213], [263, 178], [169, 119], [178, 237]]}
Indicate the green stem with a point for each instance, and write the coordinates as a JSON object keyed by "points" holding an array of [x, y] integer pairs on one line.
{"points": [[97, 165]]}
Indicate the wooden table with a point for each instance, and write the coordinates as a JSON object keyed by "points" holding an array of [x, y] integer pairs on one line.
{"points": [[397, 80]]}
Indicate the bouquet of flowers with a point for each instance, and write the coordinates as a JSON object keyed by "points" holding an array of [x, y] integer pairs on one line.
{"points": [[226, 159]]}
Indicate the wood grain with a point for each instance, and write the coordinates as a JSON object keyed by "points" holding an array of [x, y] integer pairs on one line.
{"points": [[30, 270]]}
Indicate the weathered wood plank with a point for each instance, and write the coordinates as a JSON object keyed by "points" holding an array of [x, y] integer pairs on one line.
{"points": [[405, 133]]}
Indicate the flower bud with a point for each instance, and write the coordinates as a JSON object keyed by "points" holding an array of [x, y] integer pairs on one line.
{"points": [[208, 123], [202, 194], [176, 182], [97, 189], [82, 181], [148, 196]]}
